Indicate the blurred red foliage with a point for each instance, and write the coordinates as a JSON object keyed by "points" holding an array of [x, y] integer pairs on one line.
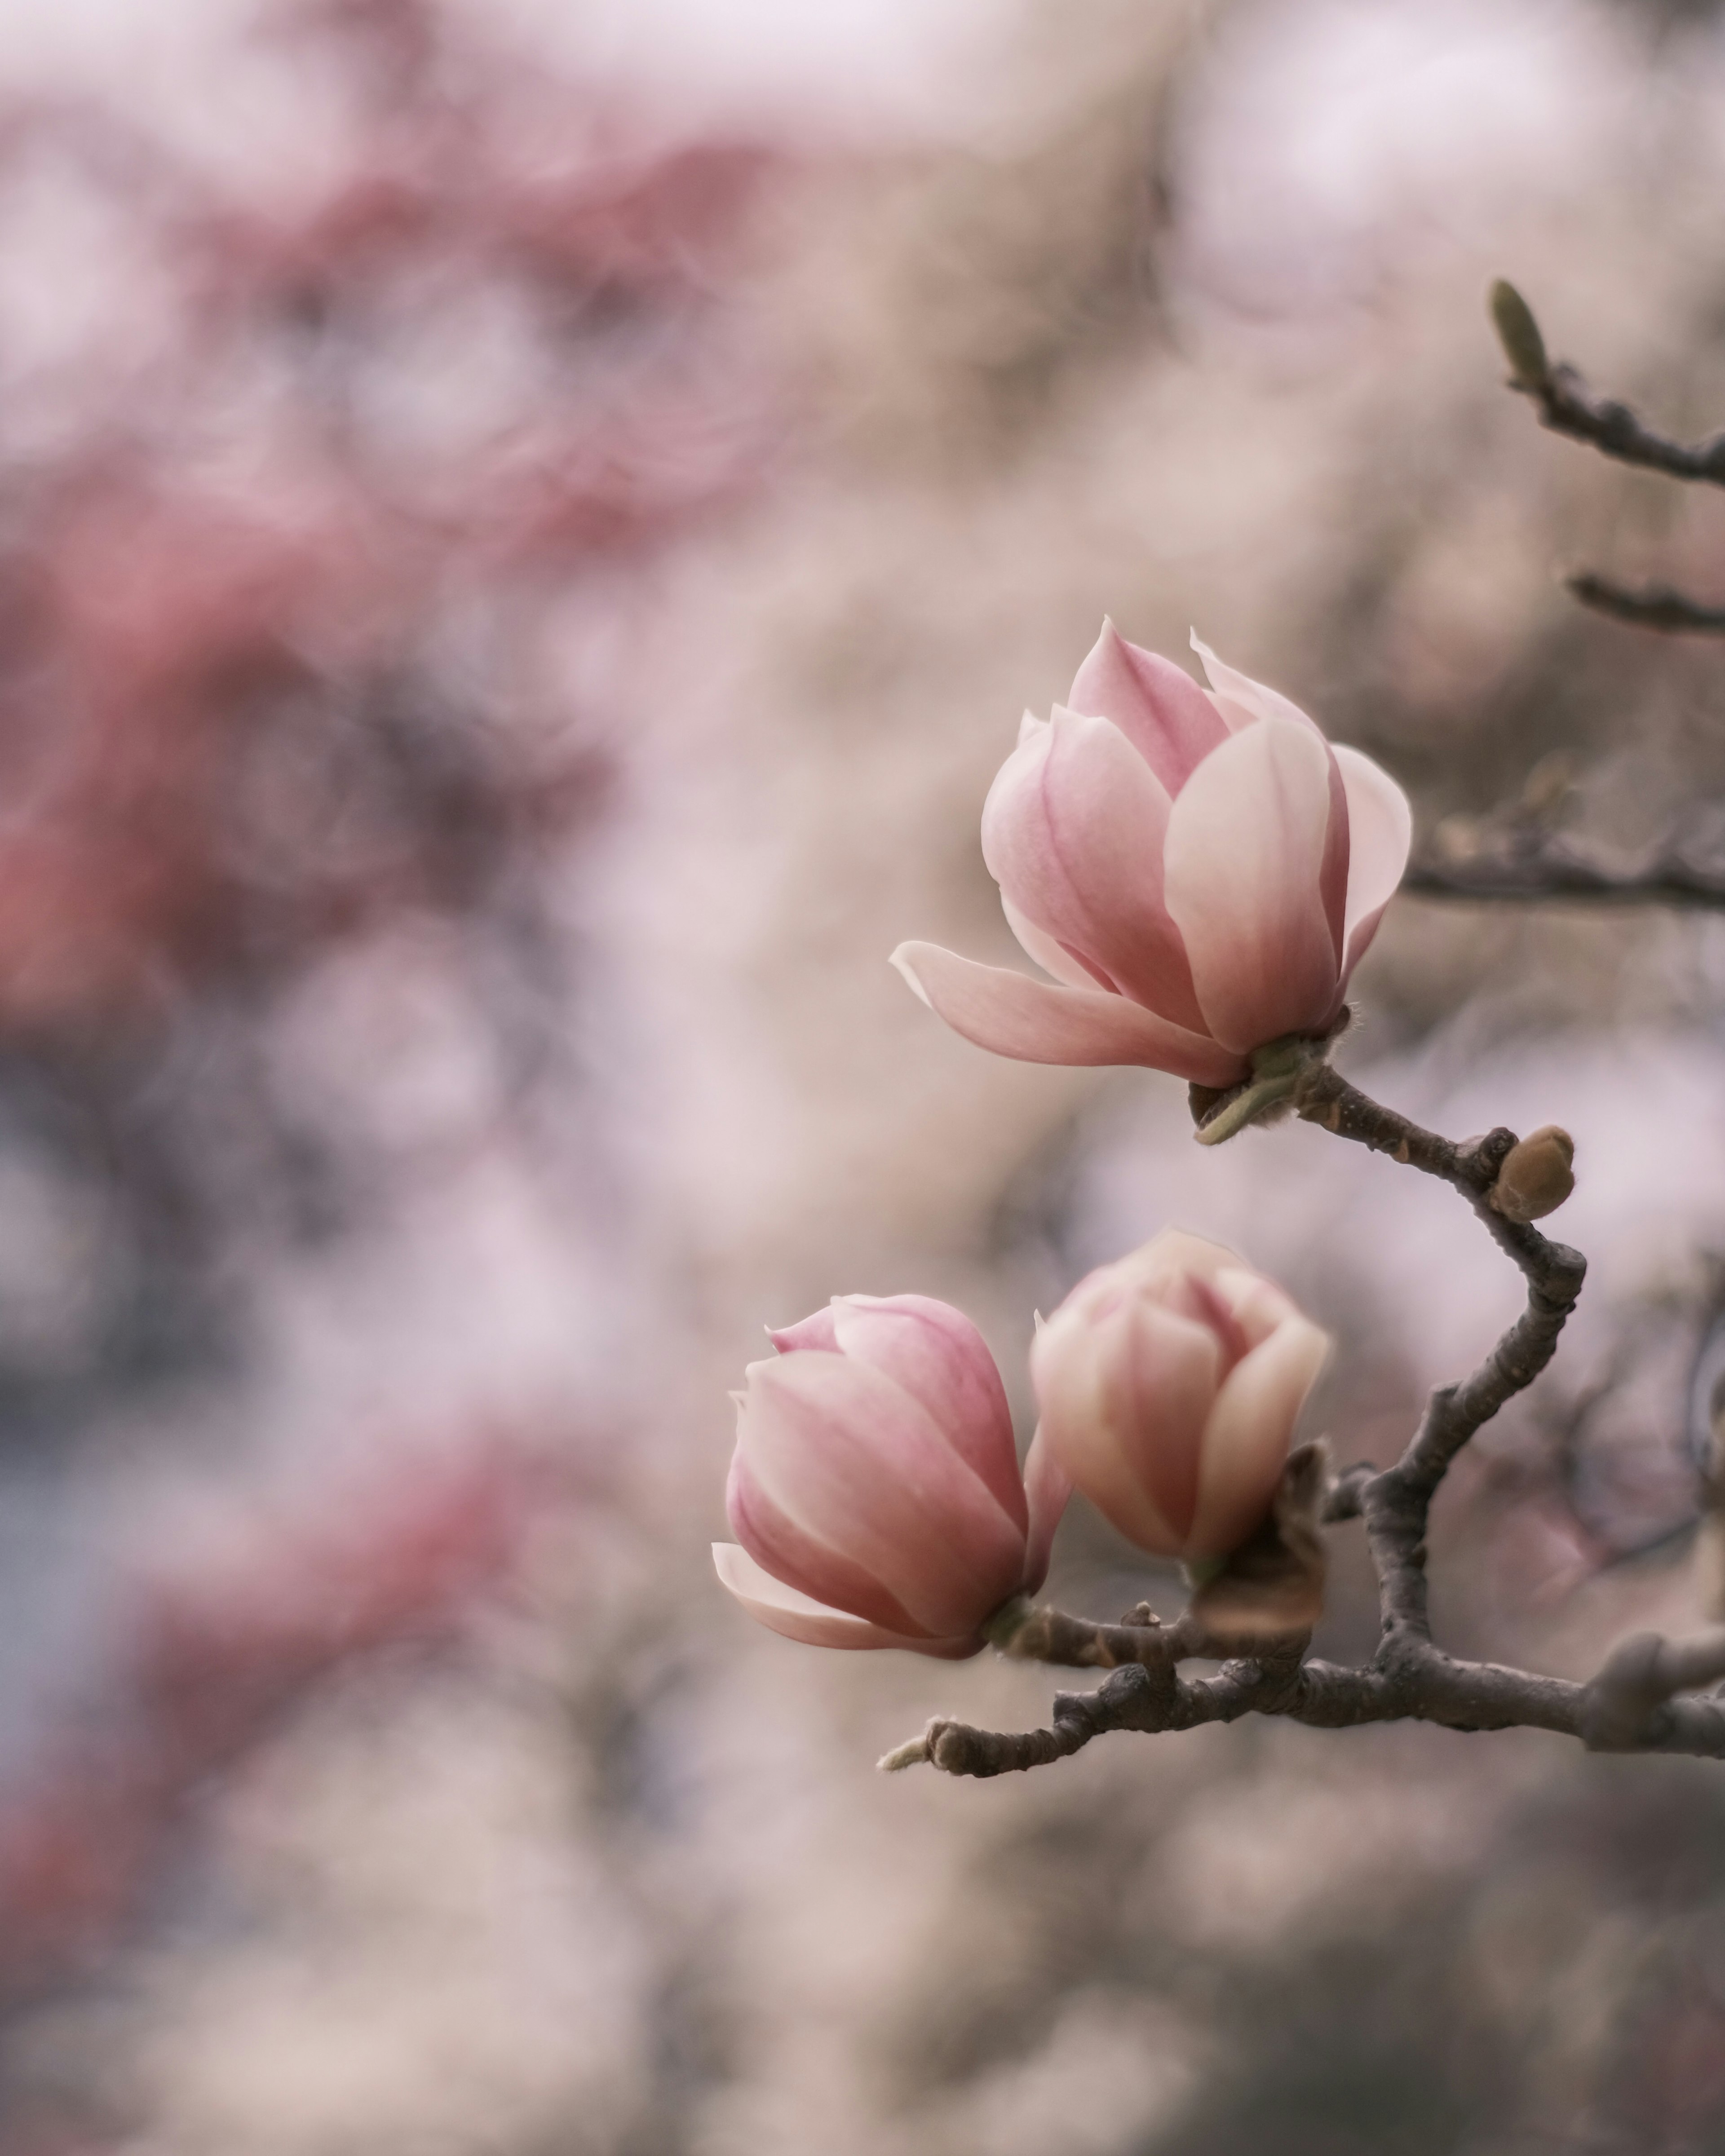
{"points": [[288, 535], [216, 1653], [360, 411]]}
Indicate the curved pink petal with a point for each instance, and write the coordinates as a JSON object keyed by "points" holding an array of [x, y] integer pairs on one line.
{"points": [[796, 1616], [791, 1553], [1244, 855], [850, 1459], [1247, 696], [1124, 1401], [1072, 832], [819, 1330], [943, 1363], [1010, 1014], [1246, 1442], [1169, 1253], [1242, 697], [1048, 1489], [1049, 952], [1259, 1305], [1157, 704], [1381, 828]]}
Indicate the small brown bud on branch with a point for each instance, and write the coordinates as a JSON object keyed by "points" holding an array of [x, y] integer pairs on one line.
{"points": [[1537, 1174], [1518, 333]]}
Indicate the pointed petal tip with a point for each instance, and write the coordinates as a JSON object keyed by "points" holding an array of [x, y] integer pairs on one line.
{"points": [[901, 964]]}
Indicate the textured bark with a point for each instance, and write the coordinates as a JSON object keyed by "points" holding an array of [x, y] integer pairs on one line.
{"points": [[1630, 1706]]}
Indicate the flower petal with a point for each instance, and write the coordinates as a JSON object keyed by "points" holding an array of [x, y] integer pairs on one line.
{"points": [[1248, 695], [1242, 698], [1072, 832], [1258, 1304], [943, 1363], [1381, 828], [1246, 1440], [1048, 951], [1157, 704], [781, 1609], [1244, 857], [1048, 1488], [801, 1560], [1124, 1399], [850, 1459], [819, 1329], [1010, 1014]]}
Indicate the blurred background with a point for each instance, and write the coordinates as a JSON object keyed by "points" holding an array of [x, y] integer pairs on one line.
{"points": [[526, 528]]}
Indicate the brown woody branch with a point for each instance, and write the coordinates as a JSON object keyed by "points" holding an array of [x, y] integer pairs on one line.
{"points": [[1568, 405], [1631, 1706], [1652, 606], [1551, 874]]}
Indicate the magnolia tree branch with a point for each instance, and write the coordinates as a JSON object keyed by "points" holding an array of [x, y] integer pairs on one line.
{"points": [[1568, 406], [1652, 606], [1631, 1706], [1552, 873]]}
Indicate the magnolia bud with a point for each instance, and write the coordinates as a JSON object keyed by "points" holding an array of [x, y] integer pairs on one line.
{"points": [[1536, 1176], [1518, 333], [875, 1492], [1169, 1384]]}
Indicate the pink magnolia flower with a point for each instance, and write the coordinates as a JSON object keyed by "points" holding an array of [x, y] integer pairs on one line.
{"points": [[875, 1489], [1199, 870], [1169, 1384]]}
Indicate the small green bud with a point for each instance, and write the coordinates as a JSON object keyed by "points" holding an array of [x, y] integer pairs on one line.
{"points": [[1518, 333], [1537, 1174]]}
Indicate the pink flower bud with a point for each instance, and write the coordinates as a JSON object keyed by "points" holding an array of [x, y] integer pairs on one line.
{"points": [[1169, 1384], [875, 1489], [1199, 871]]}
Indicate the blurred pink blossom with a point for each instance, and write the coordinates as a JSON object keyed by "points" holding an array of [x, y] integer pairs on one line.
{"points": [[1169, 1384], [1198, 870], [875, 1488]]}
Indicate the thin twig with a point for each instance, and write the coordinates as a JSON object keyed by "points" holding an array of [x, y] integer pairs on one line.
{"points": [[1640, 1675], [1409, 1677], [1653, 606], [1568, 406], [1551, 874]]}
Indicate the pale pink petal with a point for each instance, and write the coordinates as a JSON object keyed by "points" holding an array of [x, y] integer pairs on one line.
{"points": [[1233, 716], [943, 1363], [819, 1330], [1157, 704], [1049, 952], [1048, 1488], [1244, 696], [1248, 695], [796, 1616], [1170, 1252], [1124, 1403], [1245, 853], [1072, 832], [1381, 825], [1010, 1014], [1246, 1440], [1029, 725], [791, 1553], [1258, 1304], [849, 1457], [1164, 1368]]}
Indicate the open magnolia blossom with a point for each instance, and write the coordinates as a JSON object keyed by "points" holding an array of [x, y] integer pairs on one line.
{"points": [[1199, 870], [1169, 1383], [875, 1489]]}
